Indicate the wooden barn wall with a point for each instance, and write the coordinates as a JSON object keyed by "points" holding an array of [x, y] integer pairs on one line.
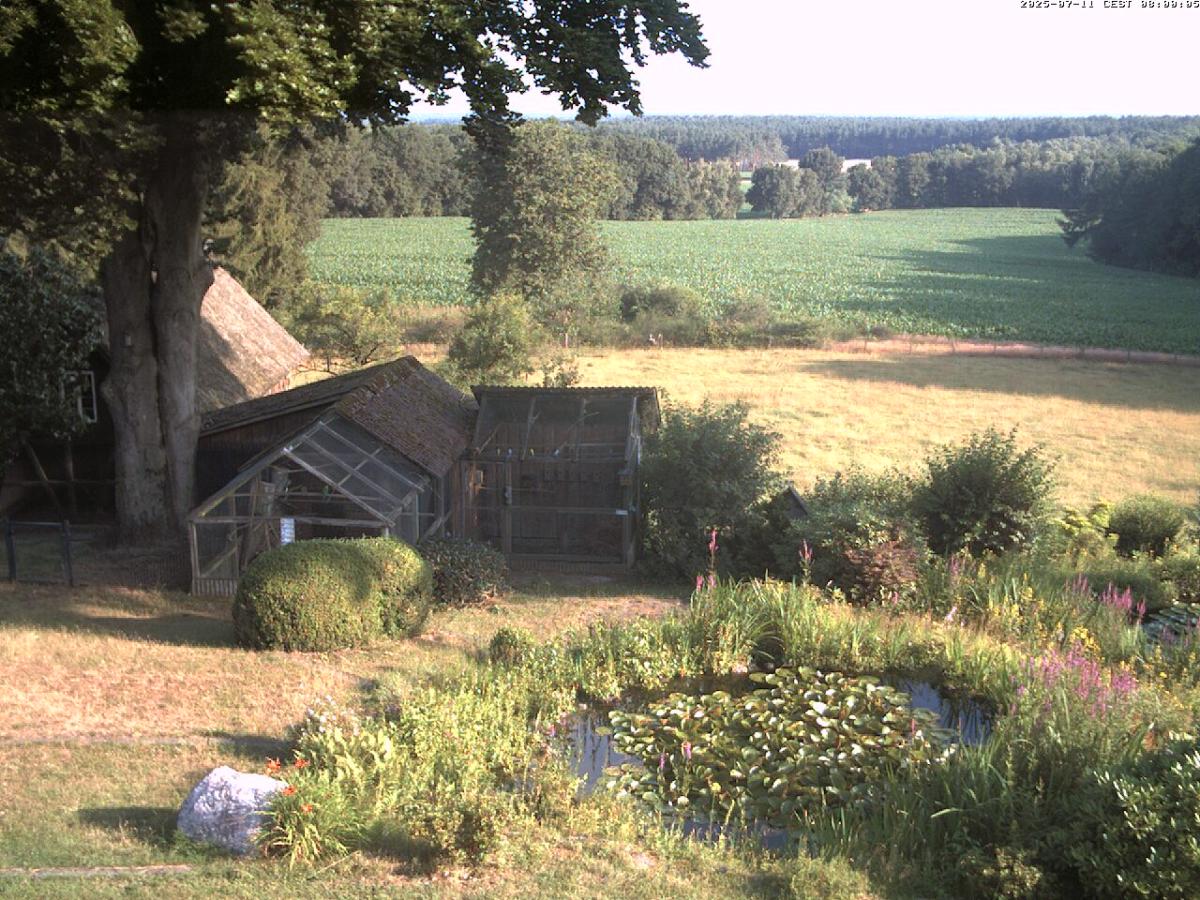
{"points": [[220, 455]]}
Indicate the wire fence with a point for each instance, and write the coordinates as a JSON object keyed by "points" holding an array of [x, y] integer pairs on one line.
{"points": [[43, 552]]}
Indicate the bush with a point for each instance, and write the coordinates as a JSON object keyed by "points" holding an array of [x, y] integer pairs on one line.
{"points": [[983, 496], [1137, 831], [1145, 524], [465, 572], [329, 594], [510, 646], [1182, 572], [497, 342], [663, 300], [704, 468], [858, 533]]}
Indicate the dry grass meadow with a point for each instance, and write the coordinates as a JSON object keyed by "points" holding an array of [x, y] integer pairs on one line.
{"points": [[1116, 428]]}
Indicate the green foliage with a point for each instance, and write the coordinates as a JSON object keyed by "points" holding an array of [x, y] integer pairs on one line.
{"points": [[984, 495], [540, 191], [344, 325], [465, 572], [443, 777], [1078, 535], [1136, 828], [265, 210], [51, 318], [774, 755], [1145, 524], [1182, 572], [510, 646], [329, 594], [854, 274], [706, 467], [497, 342], [858, 534]]}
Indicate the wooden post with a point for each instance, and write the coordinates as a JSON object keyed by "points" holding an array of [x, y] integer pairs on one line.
{"points": [[506, 515], [68, 568], [10, 548], [69, 465]]}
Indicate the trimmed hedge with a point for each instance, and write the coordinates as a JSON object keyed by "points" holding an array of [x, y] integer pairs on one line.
{"points": [[330, 594], [465, 572]]}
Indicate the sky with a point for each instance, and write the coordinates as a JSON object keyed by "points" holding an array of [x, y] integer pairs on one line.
{"points": [[923, 58]]}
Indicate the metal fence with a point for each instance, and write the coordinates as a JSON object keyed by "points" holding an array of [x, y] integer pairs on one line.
{"points": [[42, 552]]}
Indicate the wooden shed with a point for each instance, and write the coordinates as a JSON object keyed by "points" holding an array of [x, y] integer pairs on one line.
{"points": [[551, 474], [373, 452]]}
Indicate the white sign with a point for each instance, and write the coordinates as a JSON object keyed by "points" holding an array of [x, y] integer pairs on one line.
{"points": [[287, 531]]}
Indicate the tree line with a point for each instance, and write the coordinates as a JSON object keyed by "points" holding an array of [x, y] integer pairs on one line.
{"points": [[757, 140]]}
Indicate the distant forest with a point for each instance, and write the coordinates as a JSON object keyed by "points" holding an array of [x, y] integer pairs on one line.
{"points": [[762, 139]]}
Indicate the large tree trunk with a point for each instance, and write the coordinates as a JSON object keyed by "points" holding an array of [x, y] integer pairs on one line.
{"points": [[154, 282]]}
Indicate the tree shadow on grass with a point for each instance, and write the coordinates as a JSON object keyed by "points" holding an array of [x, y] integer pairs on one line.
{"points": [[150, 825], [1117, 385], [194, 627]]}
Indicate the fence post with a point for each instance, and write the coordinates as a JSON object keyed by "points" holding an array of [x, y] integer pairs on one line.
{"points": [[66, 546], [10, 549]]}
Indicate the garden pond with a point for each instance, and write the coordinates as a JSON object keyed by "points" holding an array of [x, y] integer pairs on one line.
{"points": [[755, 752]]}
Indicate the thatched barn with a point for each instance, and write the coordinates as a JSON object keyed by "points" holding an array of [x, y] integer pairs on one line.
{"points": [[241, 353], [368, 453]]}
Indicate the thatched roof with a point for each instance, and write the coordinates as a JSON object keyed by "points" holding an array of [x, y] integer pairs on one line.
{"points": [[241, 352], [401, 403], [409, 408]]}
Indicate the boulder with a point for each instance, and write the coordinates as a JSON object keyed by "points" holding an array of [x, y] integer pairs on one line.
{"points": [[226, 809]]}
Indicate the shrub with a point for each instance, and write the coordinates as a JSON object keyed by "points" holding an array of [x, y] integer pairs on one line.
{"points": [[663, 300], [510, 646], [1145, 524], [405, 585], [704, 468], [497, 342], [858, 534], [1182, 572], [983, 496], [329, 594], [465, 572], [1137, 831], [1139, 577]]}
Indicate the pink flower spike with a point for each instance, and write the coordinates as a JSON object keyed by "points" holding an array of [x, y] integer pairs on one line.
{"points": [[687, 750], [662, 761], [699, 582], [712, 580], [712, 542]]}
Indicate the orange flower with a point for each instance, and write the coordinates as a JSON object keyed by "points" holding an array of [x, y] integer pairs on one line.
{"points": [[306, 808], [273, 766], [300, 763], [289, 790]]}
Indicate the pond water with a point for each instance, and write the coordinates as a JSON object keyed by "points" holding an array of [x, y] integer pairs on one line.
{"points": [[592, 750]]}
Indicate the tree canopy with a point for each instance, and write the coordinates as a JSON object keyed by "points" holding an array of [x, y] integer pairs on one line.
{"points": [[115, 117]]}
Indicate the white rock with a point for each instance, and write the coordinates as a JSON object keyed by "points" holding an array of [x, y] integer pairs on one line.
{"points": [[226, 809]]}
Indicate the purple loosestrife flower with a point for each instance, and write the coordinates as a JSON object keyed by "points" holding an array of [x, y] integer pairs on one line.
{"points": [[712, 580], [699, 583], [712, 542], [687, 750], [806, 553], [662, 761]]}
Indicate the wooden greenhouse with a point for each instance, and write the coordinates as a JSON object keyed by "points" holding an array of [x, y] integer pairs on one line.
{"points": [[370, 453], [551, 474]]}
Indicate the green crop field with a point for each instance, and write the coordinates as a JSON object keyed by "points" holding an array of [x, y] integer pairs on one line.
{"points": [[994, 273]]}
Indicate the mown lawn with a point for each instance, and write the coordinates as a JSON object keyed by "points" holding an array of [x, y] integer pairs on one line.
{"points": [[1117, 429], [996, 273], [118, 700]]}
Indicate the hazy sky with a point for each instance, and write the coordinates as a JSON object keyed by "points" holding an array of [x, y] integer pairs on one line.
{"points": [[924, 58]]}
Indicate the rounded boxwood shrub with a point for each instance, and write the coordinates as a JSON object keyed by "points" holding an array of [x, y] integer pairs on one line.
{"points": [[329, 594], [1145, 524], [465, 572]]}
